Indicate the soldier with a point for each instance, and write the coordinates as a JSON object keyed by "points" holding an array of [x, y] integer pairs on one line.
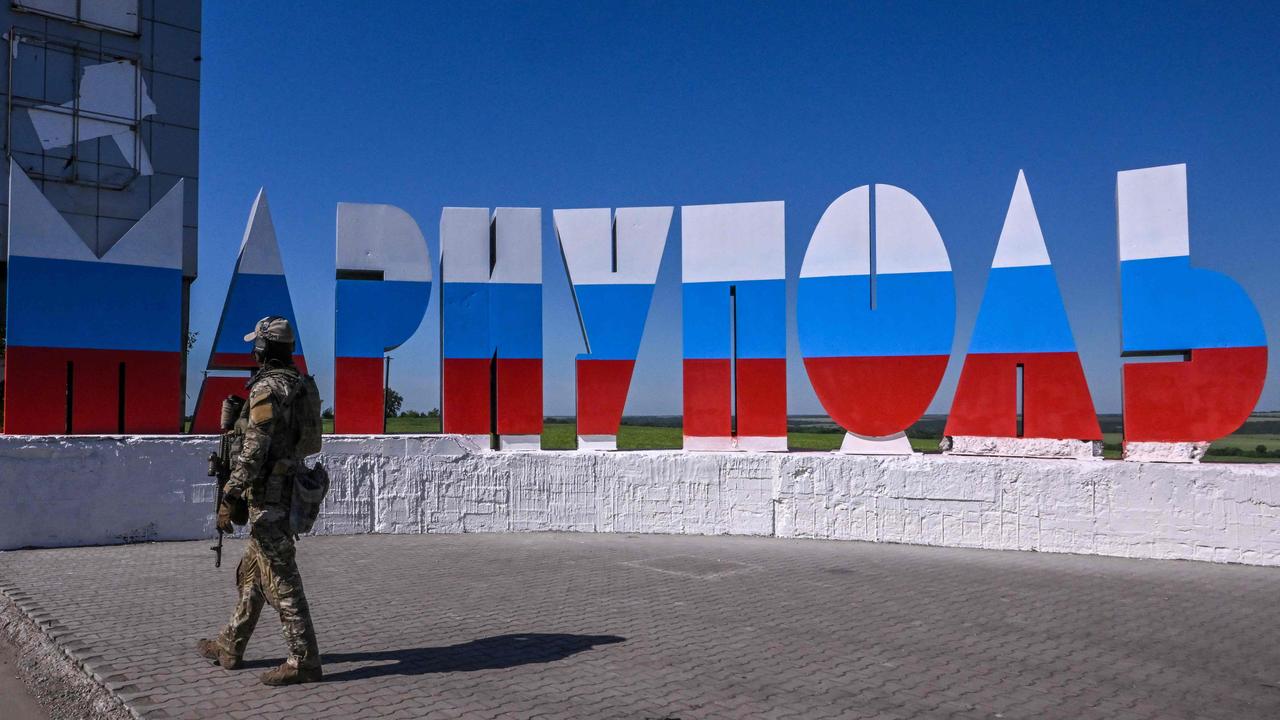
{"points": [[262, 477]]}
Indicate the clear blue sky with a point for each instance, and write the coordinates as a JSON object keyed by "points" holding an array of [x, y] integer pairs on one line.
{"points": [[551, 105]]}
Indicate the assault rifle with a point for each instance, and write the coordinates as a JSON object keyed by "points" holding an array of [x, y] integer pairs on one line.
{"points": [[220, 463]]}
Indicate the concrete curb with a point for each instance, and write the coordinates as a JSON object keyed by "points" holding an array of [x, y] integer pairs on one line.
{"points": [[89, 689]]}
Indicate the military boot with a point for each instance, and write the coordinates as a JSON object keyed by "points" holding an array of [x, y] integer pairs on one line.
{"points": [[213, 650], [288, 674]]}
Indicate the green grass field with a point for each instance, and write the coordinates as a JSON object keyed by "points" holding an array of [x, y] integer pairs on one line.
{"points": [[560, 435], [818, 434]]}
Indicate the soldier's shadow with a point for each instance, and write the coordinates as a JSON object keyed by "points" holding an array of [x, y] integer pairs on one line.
{"points": [[491, 653]]}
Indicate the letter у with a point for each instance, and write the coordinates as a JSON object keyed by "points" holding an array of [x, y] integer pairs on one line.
{"points": [[612, 262]]}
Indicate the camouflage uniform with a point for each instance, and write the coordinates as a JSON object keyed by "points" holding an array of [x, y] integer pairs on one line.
{"points": [[262, 475]]}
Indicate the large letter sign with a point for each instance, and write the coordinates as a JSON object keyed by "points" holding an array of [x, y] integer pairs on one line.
{"points": [[1170, 307], [735, 328], [612, 263], [258, 288], [491, 292], [1022, 328], [94, 344], [876, 338], [384, 286]]}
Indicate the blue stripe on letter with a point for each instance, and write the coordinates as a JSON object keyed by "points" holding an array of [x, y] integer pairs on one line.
{"points": [[915, 314], [613, 317], [1022, 311], [94, 305], [1168, 305]]}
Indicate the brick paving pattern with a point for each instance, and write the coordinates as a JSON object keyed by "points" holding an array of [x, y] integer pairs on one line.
{"points": [[612, 626]]}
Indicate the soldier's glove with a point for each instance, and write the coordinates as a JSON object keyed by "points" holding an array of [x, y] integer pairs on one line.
{"points": [[239, 509], [224, 518]]}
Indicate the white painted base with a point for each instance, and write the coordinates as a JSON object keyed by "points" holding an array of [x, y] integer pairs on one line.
{"points": [[520, 443], [62, 491], [1025, 447], [476, 443], [1183, 452], [855, 444], [736, 443], [695, 443], [761, 443], [597, 443]]}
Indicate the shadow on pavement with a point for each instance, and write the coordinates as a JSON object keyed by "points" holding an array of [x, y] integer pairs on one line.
{"points": [[491, 653]]}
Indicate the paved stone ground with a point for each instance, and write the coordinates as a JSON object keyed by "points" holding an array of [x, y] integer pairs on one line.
{"points": [[611, 626]]}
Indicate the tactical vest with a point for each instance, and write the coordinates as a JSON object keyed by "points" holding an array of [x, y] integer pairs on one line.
{"points": [[274, 483], [296, 429]]}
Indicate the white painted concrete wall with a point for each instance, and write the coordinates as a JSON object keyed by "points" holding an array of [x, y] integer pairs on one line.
{"points": [[97, 490], [92, 490]]}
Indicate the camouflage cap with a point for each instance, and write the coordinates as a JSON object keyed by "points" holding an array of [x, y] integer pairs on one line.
{"points": [[272, 328]]}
